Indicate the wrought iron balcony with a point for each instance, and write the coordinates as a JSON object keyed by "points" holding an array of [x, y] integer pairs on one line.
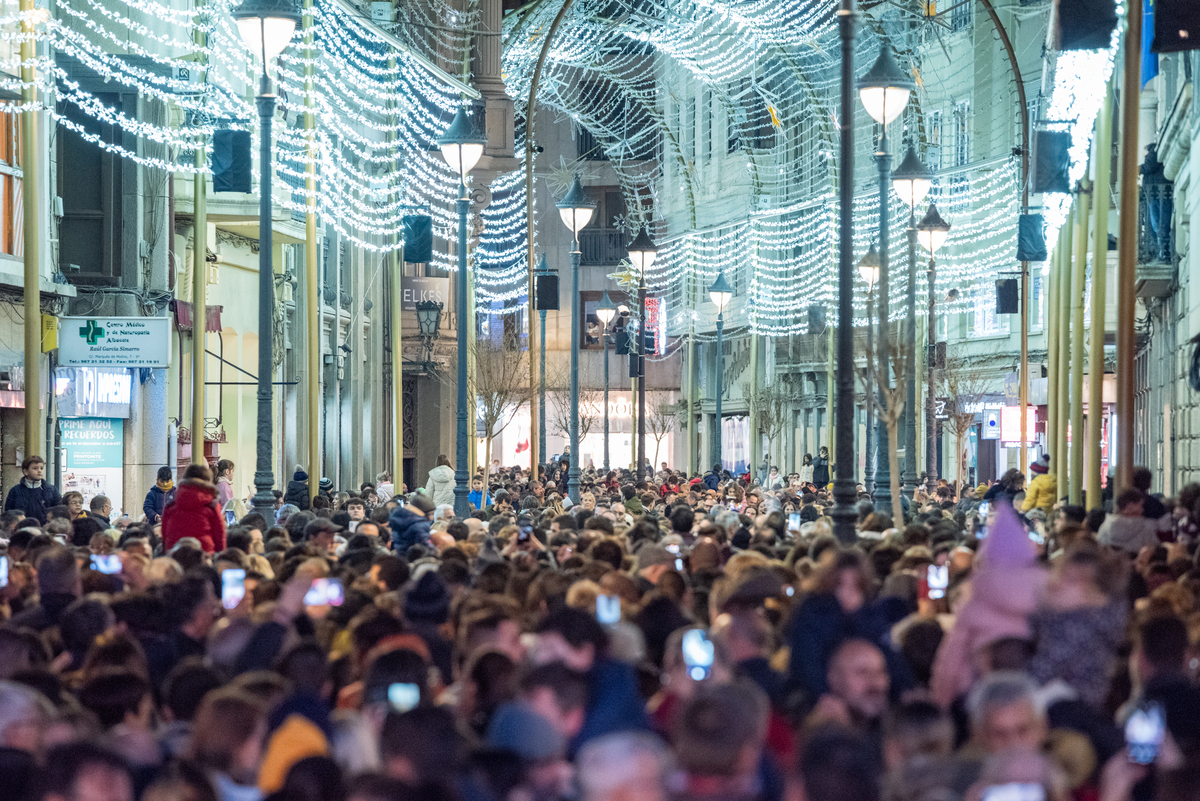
{"points": [[601, 246], [1156, 238]]}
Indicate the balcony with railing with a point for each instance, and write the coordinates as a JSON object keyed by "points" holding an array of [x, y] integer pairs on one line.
{"points": [[600, 246], [1156, 237]]}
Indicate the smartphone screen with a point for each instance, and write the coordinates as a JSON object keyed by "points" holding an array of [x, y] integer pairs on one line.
{"points": [[678, 565], [674, 549], [697, 654], [325, 592], [1144, 732], [1015, 792], [794, 521], [608, 610], [984, 508], [233, 587], [524, 532], [939, 579], [109, 564], [403, 697], [3, 571]]}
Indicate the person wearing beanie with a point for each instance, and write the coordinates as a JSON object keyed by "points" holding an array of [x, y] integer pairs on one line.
{"points": [[325, 487], [410, 523], [1042, 491], [1006, 583], [297, 490]]}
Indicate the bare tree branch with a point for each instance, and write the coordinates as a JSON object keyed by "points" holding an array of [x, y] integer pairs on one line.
{"points": [[660, 419], [894, 392], [772, 404], [964, 383]]}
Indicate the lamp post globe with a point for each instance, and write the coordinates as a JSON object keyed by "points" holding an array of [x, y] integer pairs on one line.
{"points": [[606, 310], [462, 146], [931, 231], [576, 210], [266, 27]]}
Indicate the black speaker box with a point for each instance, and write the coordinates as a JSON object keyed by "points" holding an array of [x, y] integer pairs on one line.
{"points": [[418, 238], [1051, 162], [1087, 24], [546, 287], [1176, 26], [231, 161], [1008, 296]]}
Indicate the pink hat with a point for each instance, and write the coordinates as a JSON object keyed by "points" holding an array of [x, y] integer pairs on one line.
{"points": [[1007, 542]]}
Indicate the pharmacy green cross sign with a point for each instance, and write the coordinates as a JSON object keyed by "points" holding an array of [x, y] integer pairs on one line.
{"points": [[92, 332]]}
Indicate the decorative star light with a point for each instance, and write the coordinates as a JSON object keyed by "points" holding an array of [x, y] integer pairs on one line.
{"points": [[559, 178], [626, 277]]}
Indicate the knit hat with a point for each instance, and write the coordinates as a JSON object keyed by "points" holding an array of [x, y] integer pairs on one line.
{"points": [[1007, 542], [517, 728], [1041, 466], [299, 474], [326, 484], [427, 600]]}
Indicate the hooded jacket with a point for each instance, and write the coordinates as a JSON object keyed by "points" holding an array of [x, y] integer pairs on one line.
{"points": [[1005, 586], [155, 503], [194, 514], [440, 487], [297, 491], [408, 529], [1041, 493]]}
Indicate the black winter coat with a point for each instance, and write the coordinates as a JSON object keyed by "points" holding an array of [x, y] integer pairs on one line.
{"points": [[297, 494], [33, 501]]}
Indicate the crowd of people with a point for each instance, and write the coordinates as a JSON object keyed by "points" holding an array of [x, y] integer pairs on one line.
{"points": [[668, 636]]}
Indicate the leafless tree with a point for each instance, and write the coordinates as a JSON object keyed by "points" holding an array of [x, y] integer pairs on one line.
{"points": [[661, 415], [772, 404], [558, 403], [894, 391], [499, 384], [963, 382]]}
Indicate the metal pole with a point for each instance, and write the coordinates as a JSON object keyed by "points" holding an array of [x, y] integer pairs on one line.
{"points": [[641, 362], [539, 435], [882, 493], [931, 449], [868, 399], [542, 387], [264, 477], [691, 405], [461, 452], [1051, 328], [910, 343], [312, 274], [604, 340], [199, 283], [573, 469], [397, 329], [718, 456], [31, 230], [845, 493], [1127, 245], [1100, 198], [1075, 488], [1061, 459]]}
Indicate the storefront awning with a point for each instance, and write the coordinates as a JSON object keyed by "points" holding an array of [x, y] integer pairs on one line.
{"points": [[183, 317]]}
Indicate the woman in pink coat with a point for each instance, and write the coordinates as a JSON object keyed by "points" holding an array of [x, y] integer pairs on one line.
{"points": [[1006, 584]]}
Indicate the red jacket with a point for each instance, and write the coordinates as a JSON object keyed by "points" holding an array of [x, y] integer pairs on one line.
{"points": [[194, 513]]}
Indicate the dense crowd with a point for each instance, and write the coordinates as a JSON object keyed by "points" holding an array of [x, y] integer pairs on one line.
{"points": [[668, 637]]}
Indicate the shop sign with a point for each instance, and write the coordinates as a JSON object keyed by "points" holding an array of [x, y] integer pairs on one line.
{"points": [[114, 342], [416, 290], [92, 442], [93, 391]]}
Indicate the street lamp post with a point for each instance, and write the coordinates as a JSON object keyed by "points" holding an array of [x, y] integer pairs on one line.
{"points": [[931, 234], [462, 148], [266, 27], [720, 293], [605, 311], [912, 181], [542, 269], [884, 92], [641, 254], [576, 211], [868, 268]]}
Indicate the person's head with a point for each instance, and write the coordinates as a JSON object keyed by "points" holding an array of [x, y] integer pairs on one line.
{"points": [[824, 452], [443, 461], [1141, 479], [625, 766], [1129, 503], [720, 731], [228, 732], [356, 508], [34, 468], [57, 572], [1160, 648], [118, 696], [557, 693], [421, 746], [225, 469], [570, 636], [24, 713], [917, 728], [321, 533], [186, 686], [74, 502], [1006, 713], [840, 765], [84, 771], [101, 505], [164, 474], [848, 578], [191, 605], [858, 676]]}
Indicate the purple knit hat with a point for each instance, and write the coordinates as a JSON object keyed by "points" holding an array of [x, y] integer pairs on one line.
{"points": [[1007, 542]]}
